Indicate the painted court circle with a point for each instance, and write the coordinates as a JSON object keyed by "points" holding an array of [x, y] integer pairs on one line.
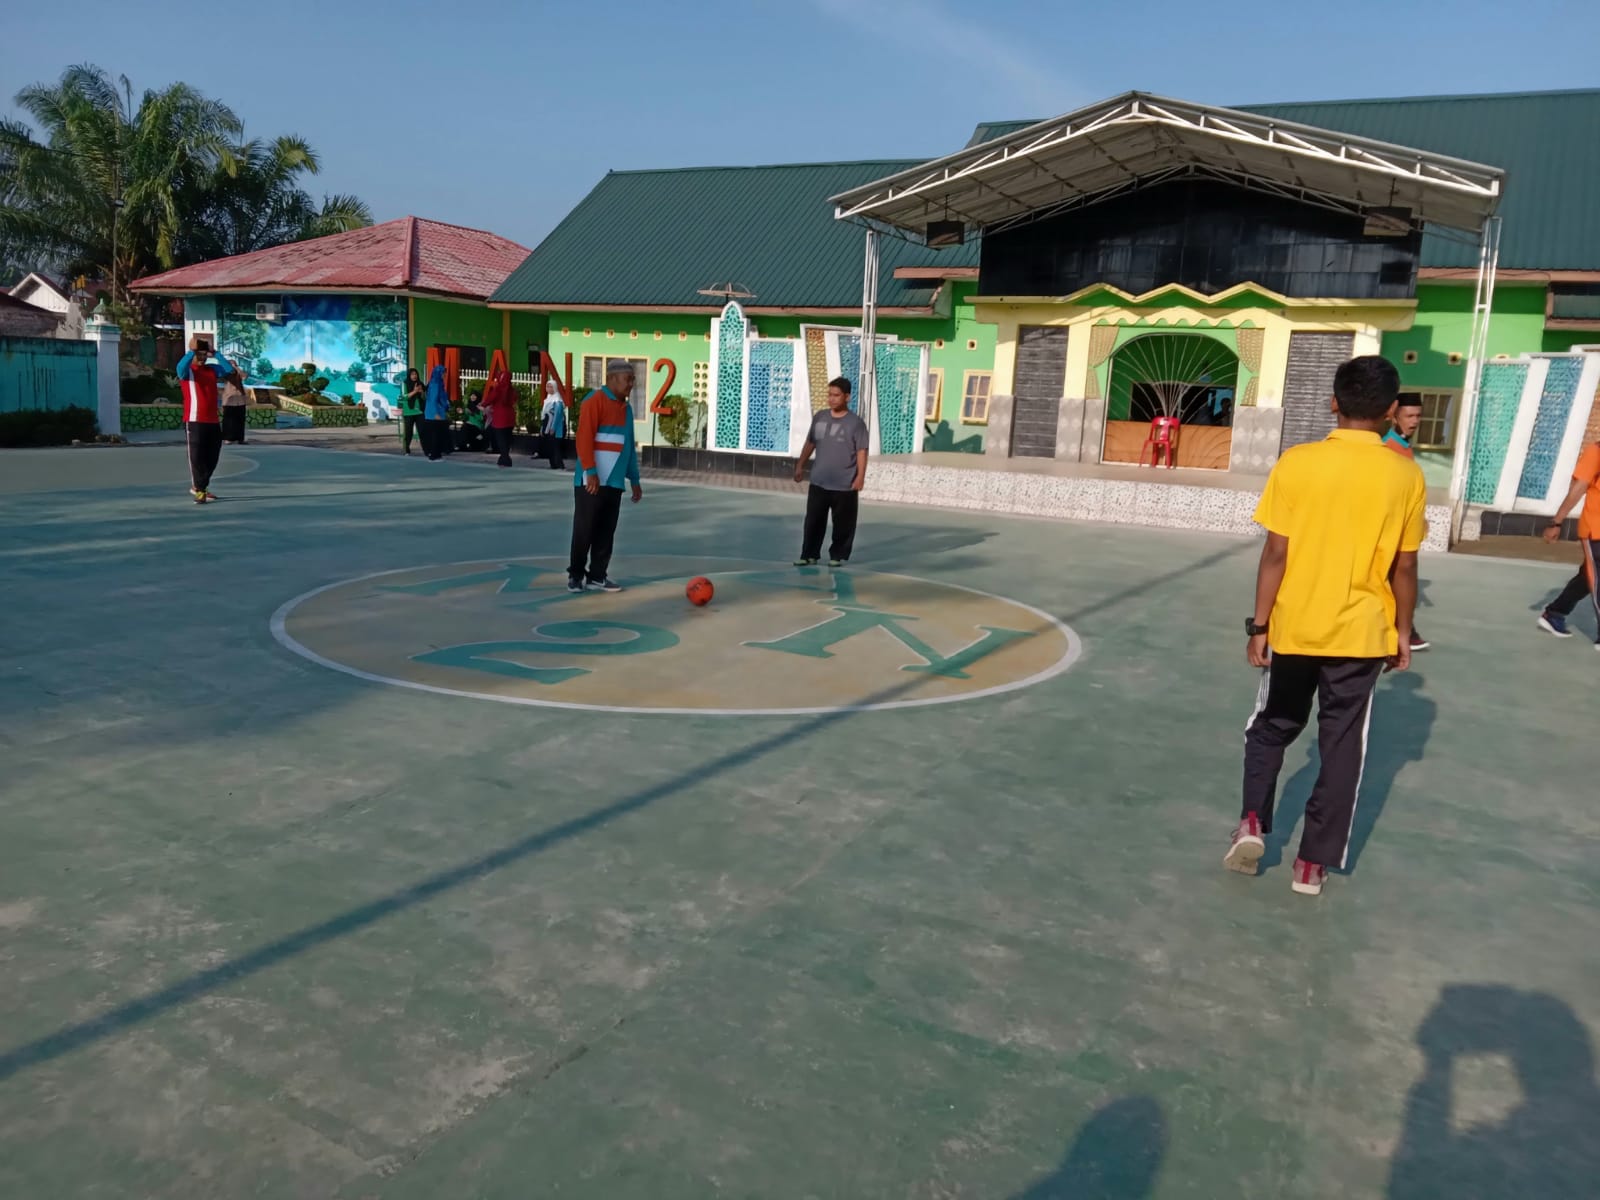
{"points": [[776, 640]]}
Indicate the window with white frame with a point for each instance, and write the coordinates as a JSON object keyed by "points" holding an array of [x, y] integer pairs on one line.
{"points": [[975, 397], [1436, 430], [594, 373], [933, 394]]}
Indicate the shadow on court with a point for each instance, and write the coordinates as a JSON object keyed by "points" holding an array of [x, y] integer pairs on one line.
{"points": [[1402, 721], [1547, 1145], [111, 1022], [1116, 1156]]}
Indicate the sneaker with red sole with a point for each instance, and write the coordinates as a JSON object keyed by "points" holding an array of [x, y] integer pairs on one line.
{"points": [[1248, 846], [1308, 878]]}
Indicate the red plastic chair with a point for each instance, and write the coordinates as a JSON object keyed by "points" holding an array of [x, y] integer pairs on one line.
{"points": [[1162, 442]]}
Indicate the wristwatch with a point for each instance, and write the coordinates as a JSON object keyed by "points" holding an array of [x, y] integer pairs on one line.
{"points": [[1252, 629]]}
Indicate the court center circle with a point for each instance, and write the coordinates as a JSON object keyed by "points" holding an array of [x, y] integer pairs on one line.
{"points": [[775, 640]]}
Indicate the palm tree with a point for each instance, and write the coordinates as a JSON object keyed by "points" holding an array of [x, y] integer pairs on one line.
{"points": [[113, 190], [101, 193], [253, 200]]}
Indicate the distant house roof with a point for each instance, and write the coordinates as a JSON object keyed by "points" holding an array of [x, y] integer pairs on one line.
{"points": [[409, 255], [653, 239], [22, 319], [1545, 142], [33, 282]]}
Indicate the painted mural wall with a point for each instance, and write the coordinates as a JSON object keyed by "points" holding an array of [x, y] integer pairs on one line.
{"points": [[357, 342]]}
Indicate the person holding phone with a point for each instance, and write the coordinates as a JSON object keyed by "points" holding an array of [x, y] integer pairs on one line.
{"points": [[412, 396]]}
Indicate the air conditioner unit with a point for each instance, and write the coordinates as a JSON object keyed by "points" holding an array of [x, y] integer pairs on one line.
{"points": [[269, 312]]}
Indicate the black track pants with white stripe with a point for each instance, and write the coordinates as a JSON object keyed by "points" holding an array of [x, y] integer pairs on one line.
{"points": [[1342, 688], [1583, 583]]}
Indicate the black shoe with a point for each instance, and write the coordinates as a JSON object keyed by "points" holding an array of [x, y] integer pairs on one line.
{"points": [[606, 585], [574, 585]]}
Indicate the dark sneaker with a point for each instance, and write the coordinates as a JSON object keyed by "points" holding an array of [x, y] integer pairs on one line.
{"points": [[1418, 642], [1308, 878], [199, 496], [606, 585], [1554, 623], [1248, 846], [574, 585], [806, 562]]}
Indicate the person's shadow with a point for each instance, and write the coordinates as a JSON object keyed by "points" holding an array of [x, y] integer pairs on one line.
{"points": [[1116, 1156], [1402, 720], [1547, 1147]]}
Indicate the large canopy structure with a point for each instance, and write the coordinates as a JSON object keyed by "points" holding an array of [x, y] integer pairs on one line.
{"points": [[1137, 140]]}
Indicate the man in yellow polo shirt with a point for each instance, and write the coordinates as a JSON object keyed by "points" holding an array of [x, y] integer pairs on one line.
{"points": [[1338, 514]]}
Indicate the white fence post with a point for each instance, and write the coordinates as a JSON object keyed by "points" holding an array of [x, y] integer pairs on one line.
{"points": [[108, 372]]}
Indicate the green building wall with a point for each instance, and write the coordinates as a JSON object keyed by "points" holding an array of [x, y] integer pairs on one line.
{"points": [[1443, 327], [451, 323], [685, 339]]}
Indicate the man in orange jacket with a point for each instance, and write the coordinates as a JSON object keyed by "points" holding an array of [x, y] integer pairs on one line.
{"points": [[607, 460]]}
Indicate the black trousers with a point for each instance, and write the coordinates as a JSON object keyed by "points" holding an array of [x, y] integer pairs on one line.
{"points": [[205, 448], [233, 423], [550, 449], [435, 438], [500, 439], [844, 507], [594, 532], [1582, 584], [411, 424], [1342, 688]]}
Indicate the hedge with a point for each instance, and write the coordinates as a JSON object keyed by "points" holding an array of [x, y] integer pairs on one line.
{"points": [[48, 426]]}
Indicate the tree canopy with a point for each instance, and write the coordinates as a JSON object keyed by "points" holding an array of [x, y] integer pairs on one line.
{"points": [[164, 182]]}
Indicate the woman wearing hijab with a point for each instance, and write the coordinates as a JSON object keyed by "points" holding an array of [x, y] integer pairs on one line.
{"points": [[552, 425], [435, 416], [233, 406], [500, 403], [412, 394]]}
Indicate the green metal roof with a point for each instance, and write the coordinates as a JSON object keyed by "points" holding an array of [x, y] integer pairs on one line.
{"points": [[654, 238], [1548, 143]]}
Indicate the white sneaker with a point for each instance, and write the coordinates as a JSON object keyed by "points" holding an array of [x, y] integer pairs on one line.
{"points": [[1248, 847]]}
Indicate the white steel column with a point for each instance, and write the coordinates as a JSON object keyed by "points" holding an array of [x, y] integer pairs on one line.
{"points": [[866, 386], [1477, 353]]}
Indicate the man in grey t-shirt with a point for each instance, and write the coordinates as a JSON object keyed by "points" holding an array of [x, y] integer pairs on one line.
{"points": [[839, 440]]}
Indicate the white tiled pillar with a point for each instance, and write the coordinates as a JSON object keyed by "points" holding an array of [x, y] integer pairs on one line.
{"points": [[107, 338]]}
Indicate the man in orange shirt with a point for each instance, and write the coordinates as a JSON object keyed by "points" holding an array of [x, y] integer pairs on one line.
{"points": [[1585, 487]]}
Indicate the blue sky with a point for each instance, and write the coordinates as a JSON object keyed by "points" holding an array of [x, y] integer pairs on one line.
{"points": [[502, 115]]}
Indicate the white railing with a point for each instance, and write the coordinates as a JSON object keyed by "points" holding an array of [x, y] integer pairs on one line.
{"points": [[531, 378]]}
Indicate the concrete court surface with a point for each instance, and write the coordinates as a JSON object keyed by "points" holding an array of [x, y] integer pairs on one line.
{"points": [[269, 928]]}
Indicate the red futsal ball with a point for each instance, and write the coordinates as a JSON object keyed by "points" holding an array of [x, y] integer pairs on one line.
{"points": [[699, 591]]}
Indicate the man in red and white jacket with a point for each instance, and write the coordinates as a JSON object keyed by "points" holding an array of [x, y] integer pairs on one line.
{"points": [[198, 379]]}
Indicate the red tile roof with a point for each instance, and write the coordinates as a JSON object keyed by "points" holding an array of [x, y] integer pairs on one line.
{"points": [[407, 255]]}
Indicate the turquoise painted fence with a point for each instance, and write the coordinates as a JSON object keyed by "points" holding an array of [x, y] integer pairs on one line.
{"points": [[46, 373]]}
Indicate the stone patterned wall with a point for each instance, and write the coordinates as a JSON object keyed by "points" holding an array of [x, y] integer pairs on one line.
{"points": [[1069, 429], [142, 418], [335, 416], [997, 436], [1093, 438], [1257, 434], [1119, 502]]}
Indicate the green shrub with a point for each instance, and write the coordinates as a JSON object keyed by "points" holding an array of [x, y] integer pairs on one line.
{"points": [[308, 369], [294, 383], [320, 384], [161, 387], [677, 425], [48, 426]]}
